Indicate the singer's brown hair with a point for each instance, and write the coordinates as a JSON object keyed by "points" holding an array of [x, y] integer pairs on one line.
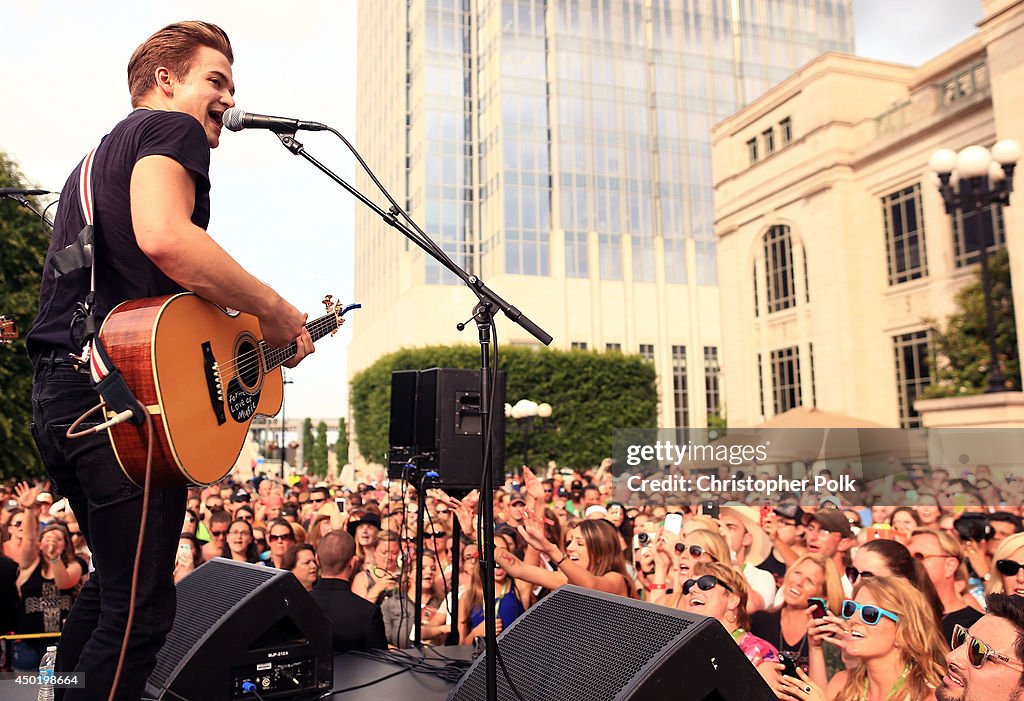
{"points": [[173, 47]]}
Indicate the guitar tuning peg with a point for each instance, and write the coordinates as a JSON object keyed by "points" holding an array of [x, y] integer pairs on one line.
{"points": [[328, 301]]}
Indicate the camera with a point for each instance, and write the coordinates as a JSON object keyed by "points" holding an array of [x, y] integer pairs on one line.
{"points": [[973, 527], [643, 538]]}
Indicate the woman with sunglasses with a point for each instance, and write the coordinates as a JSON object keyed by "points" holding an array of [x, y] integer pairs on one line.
{"points": [[1008, 567], [676, 556], [888, 626], [810, 576], [720, 592], [890, 558], [280, 537]]}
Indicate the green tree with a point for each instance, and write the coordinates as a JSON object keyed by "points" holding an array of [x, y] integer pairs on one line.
{"points": [[21, 263], [307, 444], [590, 393], [341, 447], [320, 450], [962, 357]]}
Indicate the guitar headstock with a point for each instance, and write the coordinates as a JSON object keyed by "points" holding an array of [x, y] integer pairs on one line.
{"points": [[338, 309], [8, 329]]}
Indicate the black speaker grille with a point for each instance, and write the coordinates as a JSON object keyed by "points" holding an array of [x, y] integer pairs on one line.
{"points": [[198, 611], [555, 663]]}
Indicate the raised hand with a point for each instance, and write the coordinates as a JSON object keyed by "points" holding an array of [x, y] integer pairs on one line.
{"points": [[534, 487], [535, 538], [831, 629], [26, 495]]}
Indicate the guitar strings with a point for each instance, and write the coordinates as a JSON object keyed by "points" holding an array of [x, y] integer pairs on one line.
{"points": [[247, 361]]}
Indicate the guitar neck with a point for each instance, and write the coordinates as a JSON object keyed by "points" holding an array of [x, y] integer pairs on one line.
{"points": [[318, 328]]}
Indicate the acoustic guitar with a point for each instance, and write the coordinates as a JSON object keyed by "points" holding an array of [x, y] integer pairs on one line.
{"points": [[8, 329], [203, 373]]}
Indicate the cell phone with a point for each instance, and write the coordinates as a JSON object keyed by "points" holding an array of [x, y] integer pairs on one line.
{"points": [[636, 541], [820, 607], [340, 501], [673, 523], [709, 508], [789, 665]]}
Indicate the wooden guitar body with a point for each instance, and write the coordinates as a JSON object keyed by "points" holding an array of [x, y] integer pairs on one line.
{"points": [[200, 372]]}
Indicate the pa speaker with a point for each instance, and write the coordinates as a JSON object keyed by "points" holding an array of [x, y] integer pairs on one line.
{"points": [[437, 424], [582, 645], [238, 623]]}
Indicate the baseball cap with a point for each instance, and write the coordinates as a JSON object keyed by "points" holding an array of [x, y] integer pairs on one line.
{"points": [[831, 520], [517, 499], [790, 511]]}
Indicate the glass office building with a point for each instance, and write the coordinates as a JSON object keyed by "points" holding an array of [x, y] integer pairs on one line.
{"points": [[561, 150]]}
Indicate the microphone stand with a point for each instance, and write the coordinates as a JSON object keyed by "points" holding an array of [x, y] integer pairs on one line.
{"points": [[488, 303]]}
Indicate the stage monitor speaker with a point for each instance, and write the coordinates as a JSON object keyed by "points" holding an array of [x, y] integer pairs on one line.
{"points": [[439, 410], [237, 622], [582, 645]]}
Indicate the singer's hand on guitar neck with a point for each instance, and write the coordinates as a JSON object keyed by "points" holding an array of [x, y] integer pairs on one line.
{"points": [[284, 324]]}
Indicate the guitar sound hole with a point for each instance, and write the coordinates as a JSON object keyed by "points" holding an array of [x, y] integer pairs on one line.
{"points": [[248, 365]]}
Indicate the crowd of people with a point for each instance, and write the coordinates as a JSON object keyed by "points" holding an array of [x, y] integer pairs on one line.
{"points": [[829, 600]]}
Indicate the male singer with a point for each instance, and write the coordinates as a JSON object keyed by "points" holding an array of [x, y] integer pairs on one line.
{"points": [[151, 201]]}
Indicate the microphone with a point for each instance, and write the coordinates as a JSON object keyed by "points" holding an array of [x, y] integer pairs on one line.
{"points": [[236, 120], [21, 192]]}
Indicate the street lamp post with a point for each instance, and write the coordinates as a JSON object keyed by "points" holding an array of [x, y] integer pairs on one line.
{"points": [[527, 411], [981, 178]]}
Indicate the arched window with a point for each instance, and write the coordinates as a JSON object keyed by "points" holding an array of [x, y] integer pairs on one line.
{"points": [[780, 289]]}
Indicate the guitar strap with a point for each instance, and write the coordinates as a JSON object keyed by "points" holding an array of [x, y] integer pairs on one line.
{"points": [[106, 378]]}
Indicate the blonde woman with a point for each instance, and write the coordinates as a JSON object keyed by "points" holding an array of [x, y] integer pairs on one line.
{"points": [[675, 558], [889, 627], [811, 576], [1008, 567], [720, 591]]}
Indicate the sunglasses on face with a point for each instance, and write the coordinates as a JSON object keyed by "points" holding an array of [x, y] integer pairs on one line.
{"points": [[926, 556], [869, 614], [695, 551], [440, 534], [274, 538], [705, 582], [977, 651], [1008, 568], [317, 501], [853, 574], [74, 533], [218, 534]]}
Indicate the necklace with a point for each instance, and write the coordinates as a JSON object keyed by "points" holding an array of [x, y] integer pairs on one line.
{"points": [[895, 687], [799, 650]]}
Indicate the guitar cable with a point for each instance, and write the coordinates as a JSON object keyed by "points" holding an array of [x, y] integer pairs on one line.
{"points": [[72, 434]]}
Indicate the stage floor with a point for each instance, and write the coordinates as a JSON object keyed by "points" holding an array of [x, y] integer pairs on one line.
{"points": [[351, 671]]}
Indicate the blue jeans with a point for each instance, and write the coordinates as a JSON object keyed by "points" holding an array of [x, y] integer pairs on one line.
{"points": [[109, 509]]}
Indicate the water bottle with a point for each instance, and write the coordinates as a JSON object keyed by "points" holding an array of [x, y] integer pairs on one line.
{"points": [[46, 674]]}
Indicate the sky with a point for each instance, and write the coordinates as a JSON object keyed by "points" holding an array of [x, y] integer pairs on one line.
{"points": [[64, 68]]}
